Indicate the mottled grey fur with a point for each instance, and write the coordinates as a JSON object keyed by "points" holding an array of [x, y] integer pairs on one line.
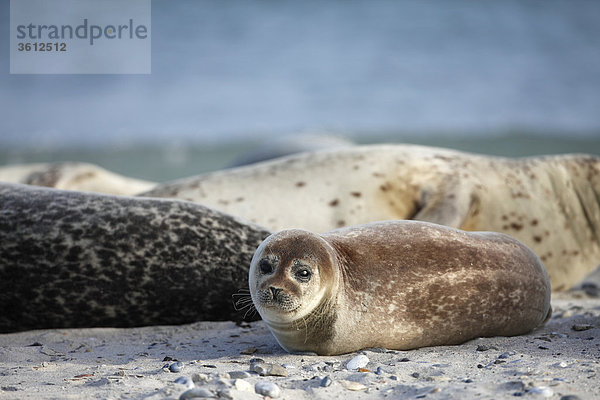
{"points": [[73, 259]]}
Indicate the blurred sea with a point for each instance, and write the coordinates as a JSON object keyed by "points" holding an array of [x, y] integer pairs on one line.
{"points": [[508, 77]]}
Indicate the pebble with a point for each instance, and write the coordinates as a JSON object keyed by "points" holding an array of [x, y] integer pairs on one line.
{"points": [[249, 350], [561, 364], [504, 356], [197, 393], [325, 382], [200, 378], [357, 362], [184, 380], [380, 371], [176, 366], [570, 397], [581, 327], [268, 369], [485, 347], [243, 386], [266, 388], [351, 385], [543, 391], [239, 375]]}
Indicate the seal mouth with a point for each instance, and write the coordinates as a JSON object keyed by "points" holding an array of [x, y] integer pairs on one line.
{"points": [[276, 299]]}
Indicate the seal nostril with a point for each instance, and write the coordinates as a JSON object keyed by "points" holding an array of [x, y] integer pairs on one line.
{"points": [[275, 291]]}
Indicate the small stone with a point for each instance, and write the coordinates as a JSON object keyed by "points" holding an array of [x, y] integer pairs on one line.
{"points": [[325, 382], [243, 386], [468, 380], [277, 370], [239, 375], [167, 358], [266, 388], [357, 362], [268, 369], [249, 350], [570, 397], [581, 327], [200, 378], [256, 360], [504, 356], [225, 394], [415, 375], [184, 380], [404, 360], [197, 393], [379, 371], [485, 347], [499, 361], [351, 385], [543, 391], [176, 366], [561, 364]]}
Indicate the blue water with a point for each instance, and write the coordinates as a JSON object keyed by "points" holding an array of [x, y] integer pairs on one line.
{"points": [[229, 70]]}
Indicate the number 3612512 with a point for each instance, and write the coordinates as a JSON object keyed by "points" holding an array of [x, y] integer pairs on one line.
{"points": [[35, 46]]}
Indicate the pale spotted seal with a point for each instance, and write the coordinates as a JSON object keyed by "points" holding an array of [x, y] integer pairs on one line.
{"points": [[73, 176], [397, 285], [549, 203], [75, 259]]}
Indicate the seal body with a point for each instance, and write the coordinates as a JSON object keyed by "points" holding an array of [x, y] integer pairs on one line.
{"points": [[397, 285], [549, 203], [74, 176], [75, 259]]}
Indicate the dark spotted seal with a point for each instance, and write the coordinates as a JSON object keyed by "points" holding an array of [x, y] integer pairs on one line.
{"points": [[72, 259], [549, 203], [397, 285]]}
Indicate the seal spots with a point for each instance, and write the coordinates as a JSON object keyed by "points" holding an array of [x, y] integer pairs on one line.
{"points": [[116, 261], [300, 184], [356, 194], [537, 239], [334, 203], [385, 187], [516, 226]]}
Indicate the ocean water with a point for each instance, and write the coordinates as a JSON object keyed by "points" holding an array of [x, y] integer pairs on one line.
{"points": [[511, 77]]}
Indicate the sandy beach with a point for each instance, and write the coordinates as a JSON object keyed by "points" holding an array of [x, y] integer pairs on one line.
{"points": [[222, 359]]}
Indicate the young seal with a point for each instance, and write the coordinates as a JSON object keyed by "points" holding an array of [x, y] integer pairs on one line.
{"points": [[397, 285], [75, 259], [74, 176], [549, 203]]}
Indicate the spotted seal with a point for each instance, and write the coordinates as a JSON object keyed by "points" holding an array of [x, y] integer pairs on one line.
{"points": [[73, 176], [397, 285], [74, 259], [550, 203]]}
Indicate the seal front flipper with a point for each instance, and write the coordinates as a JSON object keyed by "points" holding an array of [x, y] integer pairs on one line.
{"points": [[452, 207]]}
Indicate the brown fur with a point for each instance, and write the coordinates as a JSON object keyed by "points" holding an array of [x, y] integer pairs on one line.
{"points": [[402, 285]]}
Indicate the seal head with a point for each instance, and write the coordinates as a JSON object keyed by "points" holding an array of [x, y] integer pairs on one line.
{"points": [[292, 280]]}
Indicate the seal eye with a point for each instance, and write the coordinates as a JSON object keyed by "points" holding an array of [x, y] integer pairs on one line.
{"points": [[303, 275], [265, 267]]}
